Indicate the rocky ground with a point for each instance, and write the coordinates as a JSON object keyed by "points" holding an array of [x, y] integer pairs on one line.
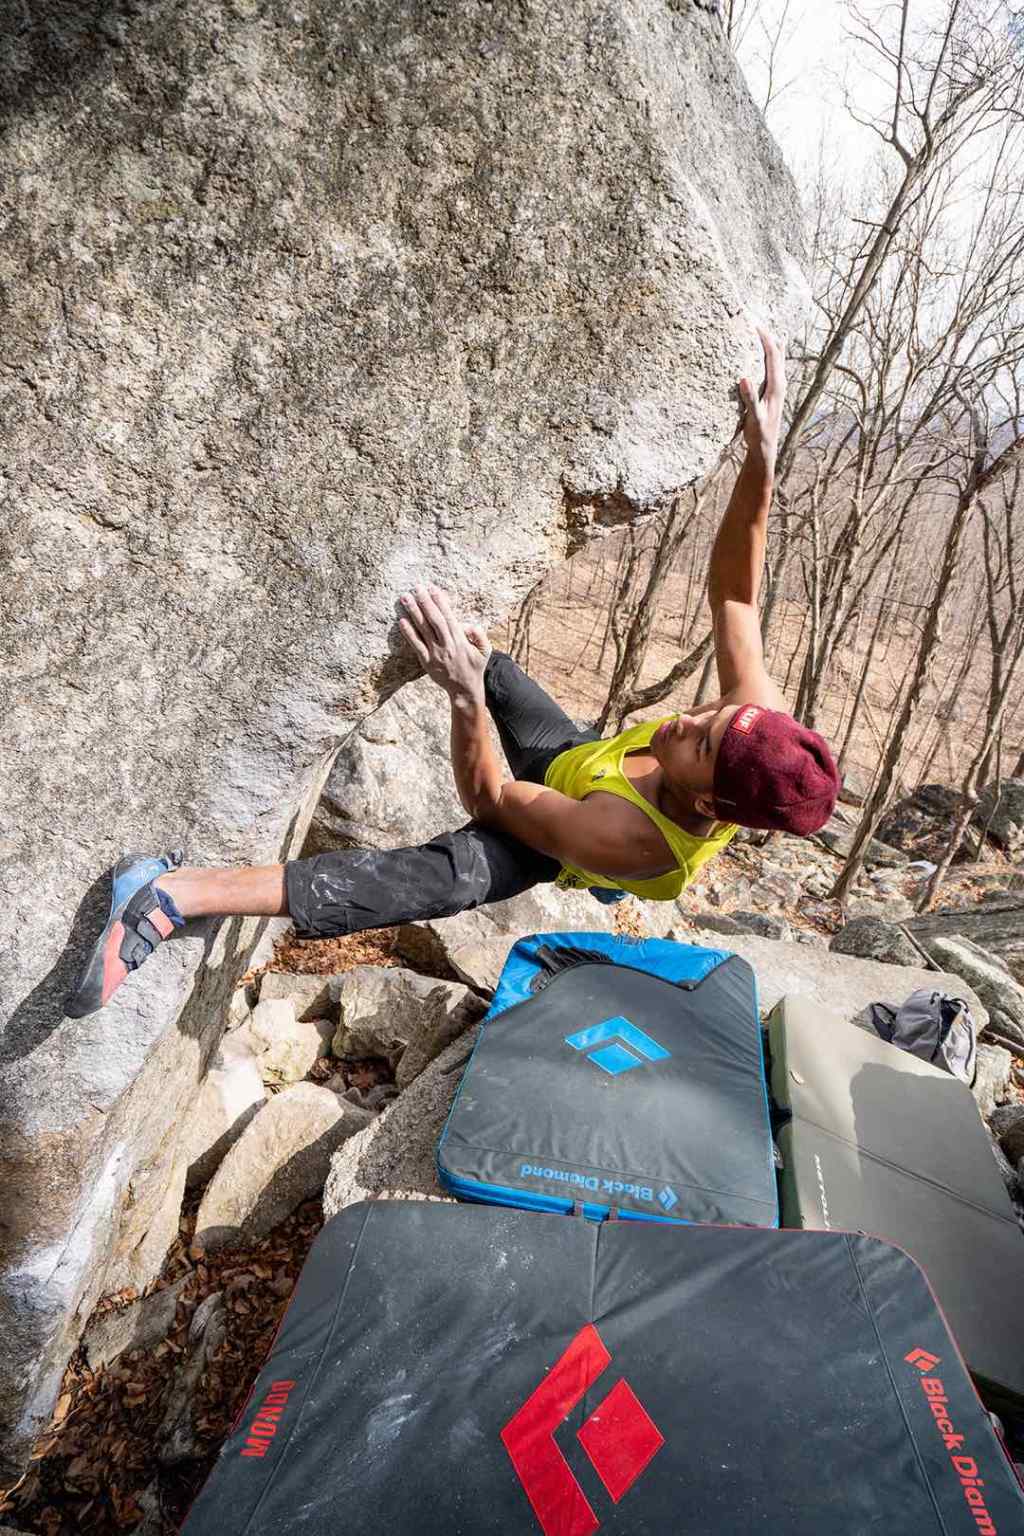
{"points": [[333, 1080]]}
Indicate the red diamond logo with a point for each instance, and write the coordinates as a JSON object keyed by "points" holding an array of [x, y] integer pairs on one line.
{"points": [[922, 1359], [619, 1437]]}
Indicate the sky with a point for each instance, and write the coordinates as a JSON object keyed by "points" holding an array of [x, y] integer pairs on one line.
{"points": [[816, 60]]}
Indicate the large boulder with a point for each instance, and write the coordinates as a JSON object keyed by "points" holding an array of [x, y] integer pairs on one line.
{"points": [[544, 909], [1007, 1124], [1001, 808], [839, 982], [1002, 995], [302, 303], [873, 938], [919, 824], [992, 1078]]}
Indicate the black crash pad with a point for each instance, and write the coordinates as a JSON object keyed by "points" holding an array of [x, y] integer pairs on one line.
{"points": [[617, 1074], [882, 1142], [482, 1370]]}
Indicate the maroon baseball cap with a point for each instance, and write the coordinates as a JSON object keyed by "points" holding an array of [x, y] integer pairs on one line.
{"points": [[773, 773]]}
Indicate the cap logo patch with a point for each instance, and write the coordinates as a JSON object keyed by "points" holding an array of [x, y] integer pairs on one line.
{"points": [[744, 721]]}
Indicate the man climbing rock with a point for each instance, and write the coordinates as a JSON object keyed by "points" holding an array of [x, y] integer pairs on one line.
{"points": [[640, 812]]}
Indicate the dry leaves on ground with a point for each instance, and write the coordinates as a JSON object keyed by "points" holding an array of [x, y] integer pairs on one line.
{"points": [[99, 1454]]}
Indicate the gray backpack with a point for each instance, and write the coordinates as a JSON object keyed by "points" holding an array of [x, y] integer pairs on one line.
{"points": [[934, 1026]]}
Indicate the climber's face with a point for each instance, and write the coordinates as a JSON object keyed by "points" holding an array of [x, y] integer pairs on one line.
{"points": [[686, 748]]}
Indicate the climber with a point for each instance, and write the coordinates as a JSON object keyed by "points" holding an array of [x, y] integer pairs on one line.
{"points": [[640, 812]]}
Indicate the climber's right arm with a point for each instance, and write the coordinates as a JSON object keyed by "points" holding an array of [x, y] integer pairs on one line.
{"points": [[577, 831]]}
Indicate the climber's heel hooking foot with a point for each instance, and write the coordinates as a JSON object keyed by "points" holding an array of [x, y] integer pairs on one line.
{"points": [[141, 916]]}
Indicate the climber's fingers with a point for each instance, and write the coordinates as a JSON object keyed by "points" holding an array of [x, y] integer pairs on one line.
{"points": [[444, 604], [477, 637], [410, 633], [433, 615], [774, 366]]}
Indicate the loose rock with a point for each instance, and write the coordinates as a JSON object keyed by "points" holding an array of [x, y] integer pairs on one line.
{"points": [[310, 995], [396, 1155], [281, 1159], [398, 1014], [743, 922], [287, 1047], [139, 1325], [176, 1437]]}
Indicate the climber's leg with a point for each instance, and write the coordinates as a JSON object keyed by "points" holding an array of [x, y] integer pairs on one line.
{"points": [[325, 896], [532, 727], [346, 892], [251, 891]]}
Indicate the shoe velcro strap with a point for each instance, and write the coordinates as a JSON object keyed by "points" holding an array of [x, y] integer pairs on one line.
{"points": [[148, 931], [145, 924]]}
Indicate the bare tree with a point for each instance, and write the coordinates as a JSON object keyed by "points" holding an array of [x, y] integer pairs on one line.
{"points": [[948, 81], [632, 641], [984, 465], [1005, 619]]}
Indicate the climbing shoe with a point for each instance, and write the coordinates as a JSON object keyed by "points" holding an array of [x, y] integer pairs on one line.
{"points": [[140, 917]]}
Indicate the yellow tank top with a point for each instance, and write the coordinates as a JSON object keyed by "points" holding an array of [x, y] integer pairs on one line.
{"points": [[597, 765]]}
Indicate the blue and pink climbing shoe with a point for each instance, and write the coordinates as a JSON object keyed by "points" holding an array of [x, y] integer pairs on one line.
{"points": [[141, 916]]}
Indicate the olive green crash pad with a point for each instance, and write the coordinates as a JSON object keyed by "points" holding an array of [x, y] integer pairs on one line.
{"points": [[881, 1142]]}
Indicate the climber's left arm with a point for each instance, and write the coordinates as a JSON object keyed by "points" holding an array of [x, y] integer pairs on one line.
{"points": [[737, 556]]}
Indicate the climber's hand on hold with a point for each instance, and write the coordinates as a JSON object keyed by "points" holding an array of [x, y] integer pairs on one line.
{"points": [[452, 654], [762, 418]]}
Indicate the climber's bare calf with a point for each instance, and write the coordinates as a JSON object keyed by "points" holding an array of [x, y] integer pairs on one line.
{"points": [[256, 891]]}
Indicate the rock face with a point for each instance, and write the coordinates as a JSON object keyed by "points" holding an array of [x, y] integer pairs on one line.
{"points": [[301, 303], [405, 742]]}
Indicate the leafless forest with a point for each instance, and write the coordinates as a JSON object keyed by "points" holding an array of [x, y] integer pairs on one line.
{"points": [[891, 607]]}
